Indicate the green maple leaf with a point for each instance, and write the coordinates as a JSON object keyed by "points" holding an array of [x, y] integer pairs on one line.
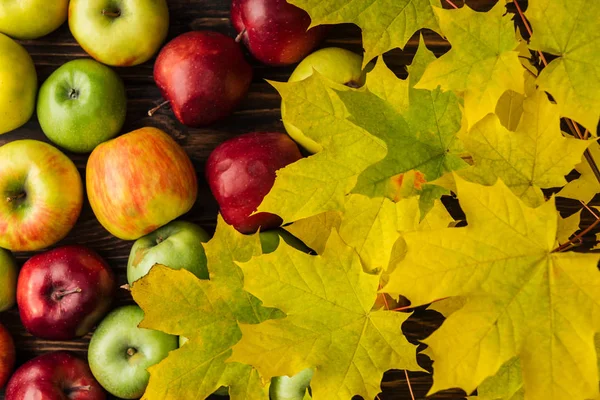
{"points": [[535, 156], [523, 299], [423, 137], [319, 183], [507, 384], [329, 326], [483, 62], [568, 29], [207, 312], [586, 186], [386, 24]]}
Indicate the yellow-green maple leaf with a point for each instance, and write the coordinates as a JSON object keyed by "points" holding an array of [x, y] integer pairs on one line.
{"points": [[507, 384], [421, 138], [483, 62], [569, 29], [586, 186], [523, 299], [329, 325], [319, 183], [386, 24], [567, 227], [207, 312], [535, 156]]}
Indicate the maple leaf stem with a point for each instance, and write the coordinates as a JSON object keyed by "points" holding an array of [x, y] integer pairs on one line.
{"points": [[589, 209], [578, 237], [453, 6], [412, 395], [528, 28]]}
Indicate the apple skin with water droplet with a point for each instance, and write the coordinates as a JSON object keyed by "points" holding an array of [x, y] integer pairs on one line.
{"points": [[54, 376], [275, 31], [203, 75], [241, 171], [64, 292]]}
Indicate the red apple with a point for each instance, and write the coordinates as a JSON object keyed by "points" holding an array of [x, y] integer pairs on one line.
{"points": [[139, 182], [275, 31], [64, 292], [203, 75], [241, 171], [54, 376], [7, 355]]}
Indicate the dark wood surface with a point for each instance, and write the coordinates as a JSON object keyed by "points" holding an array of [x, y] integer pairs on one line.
{"points": [[259, 112]]}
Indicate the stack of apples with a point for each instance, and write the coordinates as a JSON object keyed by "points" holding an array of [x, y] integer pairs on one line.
{"points": [[138, 183]]}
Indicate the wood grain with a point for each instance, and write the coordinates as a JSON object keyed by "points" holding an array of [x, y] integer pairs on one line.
{"points": [[259, 112]]}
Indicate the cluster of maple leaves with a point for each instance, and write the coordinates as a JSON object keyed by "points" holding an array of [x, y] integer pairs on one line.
{"points": [[521, 317]]}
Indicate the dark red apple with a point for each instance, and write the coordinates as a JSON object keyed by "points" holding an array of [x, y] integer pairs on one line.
{"points": [[275, 31], [64, 292], [7, 355], [54, 376], [241, 171], [204, 76]]}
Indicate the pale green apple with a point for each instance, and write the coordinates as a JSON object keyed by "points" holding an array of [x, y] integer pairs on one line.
{"points": [[269, 240], [18, 85], [119, 32], [291, 388], [31, 19], [120, 353], [341, 66], [176, 245], [8, 280]]}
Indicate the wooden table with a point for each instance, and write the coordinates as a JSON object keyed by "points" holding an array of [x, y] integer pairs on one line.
{"points": [[259, 112]]}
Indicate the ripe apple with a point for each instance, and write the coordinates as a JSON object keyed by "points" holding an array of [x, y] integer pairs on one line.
{"points": [[176, 245], [275, 31], [81, 105], [241, 171], [341, 66], [64, 292], [54, 376], [270, 240], [139, 182], [119, 32], [8, 281], [7, 355], [203, 75], [41, 195], [19, 84], [31, 19], [291, 388], [120, 353]]}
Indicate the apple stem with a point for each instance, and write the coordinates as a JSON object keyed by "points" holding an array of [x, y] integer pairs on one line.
{"points": [[159, 240], [16, 197], [158, 107], [238, 38], [59, 294], [78, 388], [131, 351], [111, 14]]}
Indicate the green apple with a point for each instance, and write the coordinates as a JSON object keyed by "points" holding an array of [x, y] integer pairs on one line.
{"points": [[341, 66], [176, 245], [18, 85], [119, 32], [31, 19], [269, 241], [81, 105], [8, 280], [291, 388], [120, 353]]}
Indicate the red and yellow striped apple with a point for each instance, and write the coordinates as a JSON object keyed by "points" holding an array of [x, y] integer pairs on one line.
{"points": [[40, 195], [139, 182]]}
